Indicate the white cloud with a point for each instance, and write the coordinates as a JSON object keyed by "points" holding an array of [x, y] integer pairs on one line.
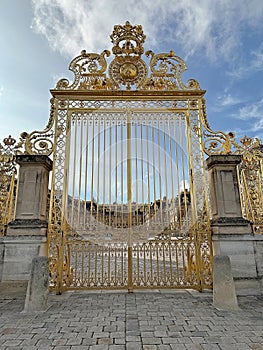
{"points": [[253, 114], [254, 65], [1, 90], [211, 27], [253, 110], [227, 100]]}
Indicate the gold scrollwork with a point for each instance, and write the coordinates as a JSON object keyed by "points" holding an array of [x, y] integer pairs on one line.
{"points": [[88, 69], [127, 69], [167, 70], [41, 142]]}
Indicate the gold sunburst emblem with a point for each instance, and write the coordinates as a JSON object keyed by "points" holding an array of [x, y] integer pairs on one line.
{"points": [[128, 71]]}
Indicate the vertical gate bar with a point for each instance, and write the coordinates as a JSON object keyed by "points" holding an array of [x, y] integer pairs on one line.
{"points": [[129, 191], [96, 265], [151, 262], [76, 263], [171, 262], [80, 170], [191, 166], [74, 175], [184, 204], [82, 263], [177, 262], [205, 236], [122, 184], [115, 266], [164, 263], [92, 169], [137, 250], [86, 172], [157, 262], [136, 171], [171, 166], [182, 189], [166, 178], [183, 262], [89, 262], [179, 217], [110, 160], [154, 172], [61, 233], [59, 286], [98, 165], [160, 173], [200, 116], [109, 264], [122, 267], [104, 171], [102, 265], [148, 166], [142, 171], [193, 201], [116, 173]]}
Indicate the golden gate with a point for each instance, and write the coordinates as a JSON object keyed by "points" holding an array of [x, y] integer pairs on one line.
{"points": [[129, 204]]}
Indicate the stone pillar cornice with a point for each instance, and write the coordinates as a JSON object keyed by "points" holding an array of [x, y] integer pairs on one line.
{"points": [[34, 159], [223, 160]]}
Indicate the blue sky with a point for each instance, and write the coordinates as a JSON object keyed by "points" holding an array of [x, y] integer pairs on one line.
{"points": [[220, 41]]}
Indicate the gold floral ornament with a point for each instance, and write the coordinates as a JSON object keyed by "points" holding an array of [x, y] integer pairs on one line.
{"points": [[9, 149], [8, 172], [251, 179]]}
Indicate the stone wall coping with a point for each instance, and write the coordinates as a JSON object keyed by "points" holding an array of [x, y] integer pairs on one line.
{"points": [[35, 159], [237, 237], [230, 221], [224, 160], [23, 241], [28, 223]]}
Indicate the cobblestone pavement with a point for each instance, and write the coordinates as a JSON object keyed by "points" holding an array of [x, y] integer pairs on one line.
{"points": [[148, 320]]}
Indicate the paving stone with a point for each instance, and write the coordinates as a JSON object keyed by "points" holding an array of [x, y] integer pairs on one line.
{"points": [[99, 347], [133, 346], [147, 320], [89, 341], [106, 341], [178, 347], [164, 347], [120, 341], [151, 341]]}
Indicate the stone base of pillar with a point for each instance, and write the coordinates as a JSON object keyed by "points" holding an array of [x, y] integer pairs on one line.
{"points": [[25, 239], [242, 250], [17, 254]]}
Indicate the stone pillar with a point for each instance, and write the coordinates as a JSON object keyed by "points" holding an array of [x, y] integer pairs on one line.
{"points": [[231, 233], [26, 235]]}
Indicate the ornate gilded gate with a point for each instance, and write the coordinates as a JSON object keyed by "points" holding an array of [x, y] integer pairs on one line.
{"points": [[129, 204]]}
